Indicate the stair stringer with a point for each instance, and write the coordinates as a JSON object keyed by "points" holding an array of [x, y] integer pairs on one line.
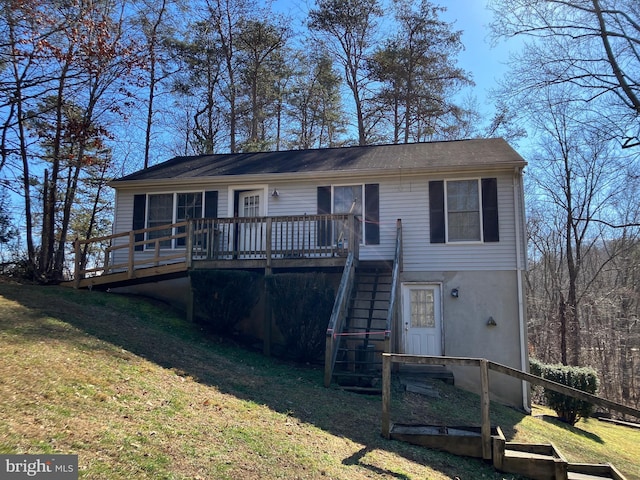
{"points": [[359, 361]]}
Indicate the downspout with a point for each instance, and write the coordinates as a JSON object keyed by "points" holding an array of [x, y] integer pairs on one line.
{"points": [[519, 214]]}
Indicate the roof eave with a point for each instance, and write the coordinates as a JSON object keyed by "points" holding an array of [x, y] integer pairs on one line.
{"points": [[317, 175]]}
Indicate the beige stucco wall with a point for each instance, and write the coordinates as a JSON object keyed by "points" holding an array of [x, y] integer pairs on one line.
{"points": [[481, 295], [175, 292]]}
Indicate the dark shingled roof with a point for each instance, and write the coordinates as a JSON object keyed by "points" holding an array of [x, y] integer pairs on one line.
{"points": [[432, 155]]}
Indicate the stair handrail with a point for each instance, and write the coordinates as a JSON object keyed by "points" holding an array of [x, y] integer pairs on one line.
{"points": [[395, 285], [338, 315]]}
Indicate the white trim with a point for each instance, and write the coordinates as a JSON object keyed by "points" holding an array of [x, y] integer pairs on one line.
{"points": [[231, 189], [521, 315], [174, 212], [404, 286], [362, 204]]}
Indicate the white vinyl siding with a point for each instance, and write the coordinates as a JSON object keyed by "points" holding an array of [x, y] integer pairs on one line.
{"points": [[409, 201], [400, 198]]}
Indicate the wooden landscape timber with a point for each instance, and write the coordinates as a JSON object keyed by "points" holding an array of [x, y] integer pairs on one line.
{"points": [[537, 461]]}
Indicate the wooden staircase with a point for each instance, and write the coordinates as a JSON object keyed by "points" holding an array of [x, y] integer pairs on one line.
{"points": [[358, 362], [545, 462]]}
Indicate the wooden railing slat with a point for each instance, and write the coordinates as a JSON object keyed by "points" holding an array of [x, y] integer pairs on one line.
{"points": [[263, 238]]}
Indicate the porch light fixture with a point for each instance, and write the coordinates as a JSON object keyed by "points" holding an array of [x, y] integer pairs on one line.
{"points": [[455, 293], [491, 322], [275, 193]]}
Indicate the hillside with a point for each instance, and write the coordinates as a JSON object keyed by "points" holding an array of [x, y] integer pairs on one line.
{"points": [[137, 393]]}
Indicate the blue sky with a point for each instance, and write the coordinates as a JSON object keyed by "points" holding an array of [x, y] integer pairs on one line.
{"points": [[486, 64]]}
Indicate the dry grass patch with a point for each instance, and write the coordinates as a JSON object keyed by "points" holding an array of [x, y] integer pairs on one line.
{"points": [[138, 393]]}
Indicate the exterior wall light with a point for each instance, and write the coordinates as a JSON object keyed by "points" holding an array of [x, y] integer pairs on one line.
{"points": [[275, 193], [455, 293], [491, 322]]}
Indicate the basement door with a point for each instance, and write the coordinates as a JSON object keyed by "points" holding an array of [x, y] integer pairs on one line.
{"points": [[251, 234], [422, 319]]}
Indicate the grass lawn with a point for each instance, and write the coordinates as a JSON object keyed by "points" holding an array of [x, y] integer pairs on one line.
{"points": [[136, 392]]}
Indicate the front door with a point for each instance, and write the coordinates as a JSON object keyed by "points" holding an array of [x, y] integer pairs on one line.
{"points": [[251, 234], [422, 319]]}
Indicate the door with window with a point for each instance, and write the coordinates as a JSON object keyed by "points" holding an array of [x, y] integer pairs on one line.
{"points": [[422, 319], [251, 232]]}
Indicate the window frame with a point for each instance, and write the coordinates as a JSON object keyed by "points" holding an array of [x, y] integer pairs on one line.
{"points": [[479, 211], [361, 215], [174, 243]]}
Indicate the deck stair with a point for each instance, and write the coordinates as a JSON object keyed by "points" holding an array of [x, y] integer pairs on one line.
{"points": [[358, 363]]}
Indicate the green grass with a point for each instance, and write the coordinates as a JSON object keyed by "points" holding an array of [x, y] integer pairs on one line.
{"points": [[136, 392]]}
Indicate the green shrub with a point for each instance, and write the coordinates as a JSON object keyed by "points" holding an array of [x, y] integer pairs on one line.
{"points": [[222, 298], [568, 409], [301, 305]]}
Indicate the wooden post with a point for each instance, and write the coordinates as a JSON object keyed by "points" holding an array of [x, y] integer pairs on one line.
{"points": [[328, 358], [191, 298], [268, 247], [156, 253], [189, 243], [485, 411], [107, 254], [266, 346], [386, 395], [132, 241], [76, 275]]}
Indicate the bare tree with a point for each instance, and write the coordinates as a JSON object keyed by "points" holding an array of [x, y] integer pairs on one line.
{"points": [[590, 44], [152, 19], [83, 60], [577, 177], [225, 18]]}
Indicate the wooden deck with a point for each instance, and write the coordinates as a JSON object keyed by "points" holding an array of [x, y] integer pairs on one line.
{"points": [[170, 251]]}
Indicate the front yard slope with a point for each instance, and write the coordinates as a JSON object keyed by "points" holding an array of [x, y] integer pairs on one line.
{"points": [[136, 392]]}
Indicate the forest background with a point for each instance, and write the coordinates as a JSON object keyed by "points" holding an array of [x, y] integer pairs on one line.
{"points": [[94, 89]]}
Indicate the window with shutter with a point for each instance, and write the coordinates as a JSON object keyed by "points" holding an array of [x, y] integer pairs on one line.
{"points": [[464, 210], [156, 210]]}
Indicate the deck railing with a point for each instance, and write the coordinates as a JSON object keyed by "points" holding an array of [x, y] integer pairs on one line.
{"points": [[338, 316], [294, 236], [222, 239], [394, 304]]}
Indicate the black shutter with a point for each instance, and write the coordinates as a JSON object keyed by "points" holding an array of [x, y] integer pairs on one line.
{"points": [[372, 214], [490, 210], [325, 235], [139, 217], [211, 204], [436, 211]]}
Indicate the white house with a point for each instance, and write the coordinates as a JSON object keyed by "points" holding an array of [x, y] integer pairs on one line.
{"points": [[460, 205]]}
